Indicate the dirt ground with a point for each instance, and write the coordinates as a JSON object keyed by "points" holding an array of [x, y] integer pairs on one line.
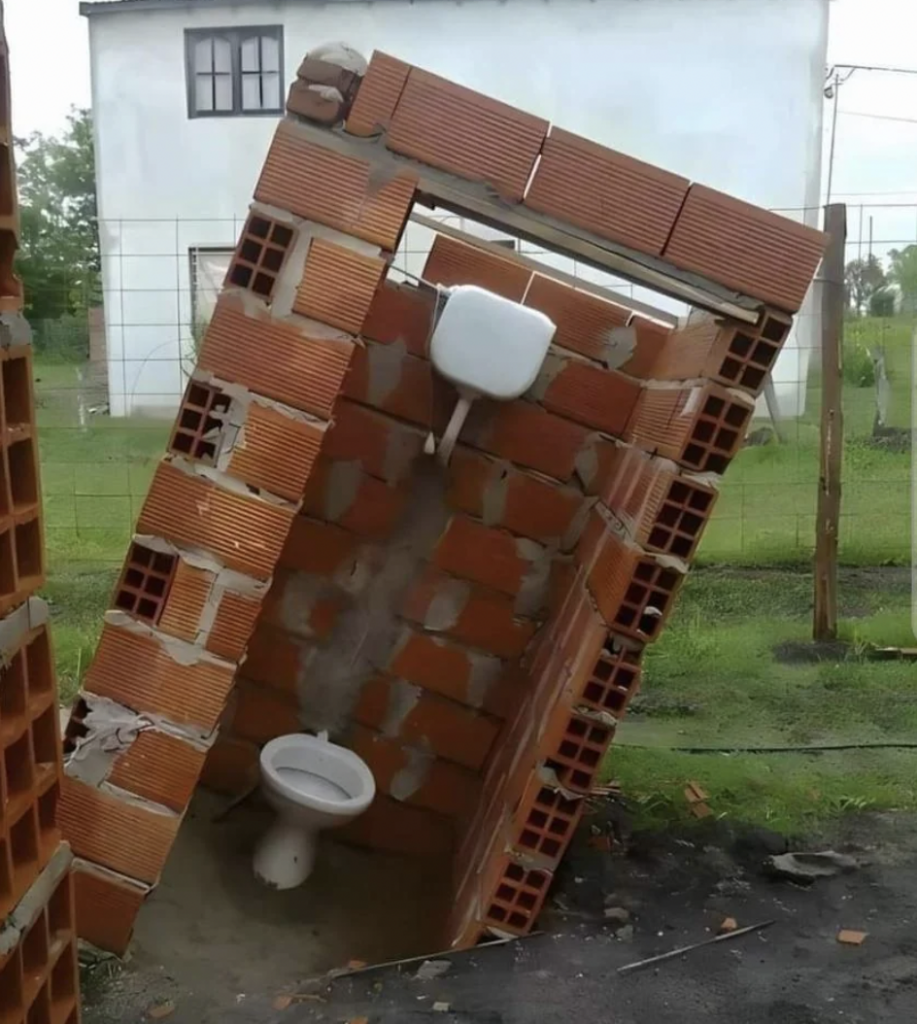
{"points": [[677, 888]]}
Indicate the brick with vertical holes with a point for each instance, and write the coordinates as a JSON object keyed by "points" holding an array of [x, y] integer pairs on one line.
{"points": [[661, 508], [701, 427], [730, 353], [634, 591]]}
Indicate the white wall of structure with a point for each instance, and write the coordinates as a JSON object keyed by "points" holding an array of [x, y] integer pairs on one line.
{"points": [[727, 92]]}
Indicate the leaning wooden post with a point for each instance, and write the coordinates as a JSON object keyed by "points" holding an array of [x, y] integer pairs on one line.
{"points": [[831, 448]]}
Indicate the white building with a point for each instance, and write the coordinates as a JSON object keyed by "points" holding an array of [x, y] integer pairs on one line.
{"points": [[186, 94]]}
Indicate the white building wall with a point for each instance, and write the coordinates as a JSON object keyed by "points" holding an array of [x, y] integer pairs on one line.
{"points": [[727, 92]]}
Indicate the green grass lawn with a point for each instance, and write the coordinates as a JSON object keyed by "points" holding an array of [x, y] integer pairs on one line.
{"points": [[766, 511], [94, 478], [712, 680]]}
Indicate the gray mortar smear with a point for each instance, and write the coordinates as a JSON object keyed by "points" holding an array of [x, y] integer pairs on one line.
{"points": [[364, 636]]}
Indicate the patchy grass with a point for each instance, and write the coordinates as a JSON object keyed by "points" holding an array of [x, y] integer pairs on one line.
{"points": [[766, 511], [94, 478], [712, 680]]}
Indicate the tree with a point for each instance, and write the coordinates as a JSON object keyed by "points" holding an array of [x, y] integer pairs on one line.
{"points": [[882, 303], [863, 279], [903, 272], [58, 258]]}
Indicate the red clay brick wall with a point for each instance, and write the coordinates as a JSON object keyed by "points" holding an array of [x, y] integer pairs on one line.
{"points": [[299, 563]]}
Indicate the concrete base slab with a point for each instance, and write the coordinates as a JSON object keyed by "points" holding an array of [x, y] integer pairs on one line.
{"points": [[212, 937]]}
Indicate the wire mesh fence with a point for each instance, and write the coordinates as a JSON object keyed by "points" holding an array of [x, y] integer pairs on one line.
{"points": [[110, 373]]}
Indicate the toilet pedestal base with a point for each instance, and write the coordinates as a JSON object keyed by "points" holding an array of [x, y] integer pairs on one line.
{"points": [[285, 855]]}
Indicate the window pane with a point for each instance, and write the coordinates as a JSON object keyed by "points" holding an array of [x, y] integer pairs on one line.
{"points": [[224, 92], [203, 55], [250, 57], [270, 91], [251, 92], [270, 53], [203, 93], [222, 56]]}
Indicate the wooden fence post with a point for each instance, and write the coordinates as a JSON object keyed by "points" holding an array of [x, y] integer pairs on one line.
{"points": [[831, 448]]}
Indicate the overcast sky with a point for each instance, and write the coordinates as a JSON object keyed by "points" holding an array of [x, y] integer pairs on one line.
{"points": [[876, 147]]}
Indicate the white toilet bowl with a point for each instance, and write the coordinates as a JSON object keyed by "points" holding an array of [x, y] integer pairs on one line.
{"points": [[312, 785]]}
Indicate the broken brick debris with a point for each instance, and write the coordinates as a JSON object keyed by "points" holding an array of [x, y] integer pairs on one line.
{"points": [[475, 634]]}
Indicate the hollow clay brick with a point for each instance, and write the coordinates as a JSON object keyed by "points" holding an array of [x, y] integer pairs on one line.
{"points": [[634, 592], [338, 285], [320, 185], [401, 314], [235, 619], [471, 681], [741, 246], [399, 828], [661, 509], [524, 503], [129, 838], [701, 427], [527, 435], [598, 398], [274, 452], [231, 766], [160, 768], [185, 601], [273, 358], [605, 192], [465, 133], [384, 447], [245, 532], [136, 670], [472, 614], [377, 95], [276, 659], [106, 907], [485, 555], [585, 323], [731, 353], [261, 714], [413, 775], [387, 378], [317, 547], [361, 504], [452, 262]]}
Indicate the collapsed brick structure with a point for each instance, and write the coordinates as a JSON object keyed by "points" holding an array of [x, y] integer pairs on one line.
{"points": [[38, 964], [473, 633]]}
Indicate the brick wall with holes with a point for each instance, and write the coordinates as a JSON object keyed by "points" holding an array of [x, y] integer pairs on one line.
{"points": [[248, 437], [494, 614]]}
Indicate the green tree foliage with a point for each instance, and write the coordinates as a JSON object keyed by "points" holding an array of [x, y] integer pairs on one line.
{"points": [[863, 277], [882, 303], [903, 272], [58, 258]]}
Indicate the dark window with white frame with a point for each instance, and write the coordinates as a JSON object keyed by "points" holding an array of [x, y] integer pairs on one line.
{"points": [[234, 72]]}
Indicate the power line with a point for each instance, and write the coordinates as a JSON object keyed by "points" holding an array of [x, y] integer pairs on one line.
{"points": [[878, 117], [873, 67]]}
